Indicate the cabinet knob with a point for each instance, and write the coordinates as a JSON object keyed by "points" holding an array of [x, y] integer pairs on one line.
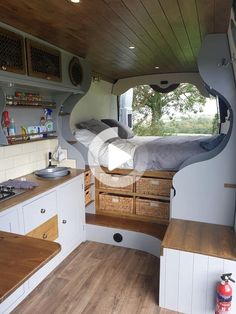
{"points": [[43, 211], [4, 68], [64, 221], [45, 236]]}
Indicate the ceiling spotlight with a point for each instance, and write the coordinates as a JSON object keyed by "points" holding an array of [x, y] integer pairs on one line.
{"points": [[131, 47], [74, 1], [157, 68]]}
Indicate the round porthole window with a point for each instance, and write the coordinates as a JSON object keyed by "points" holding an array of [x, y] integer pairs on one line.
{"points": [[75, 71]]}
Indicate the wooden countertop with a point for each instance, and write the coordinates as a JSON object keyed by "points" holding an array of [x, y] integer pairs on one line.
{"points": [[44, 185], [20, 258], [202, 238]]}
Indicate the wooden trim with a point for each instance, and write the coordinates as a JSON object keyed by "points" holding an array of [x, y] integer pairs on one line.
{"points": [[230, 185], [161, 174]]}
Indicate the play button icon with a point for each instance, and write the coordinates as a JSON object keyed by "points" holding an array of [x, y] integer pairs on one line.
{"points": [[116, 157]]}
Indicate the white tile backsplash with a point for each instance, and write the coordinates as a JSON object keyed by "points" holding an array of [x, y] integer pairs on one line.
{"points": [[22, 159]]}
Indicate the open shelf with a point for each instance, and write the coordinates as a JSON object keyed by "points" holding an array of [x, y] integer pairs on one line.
{"points": [[32, 103], [33, 140]]}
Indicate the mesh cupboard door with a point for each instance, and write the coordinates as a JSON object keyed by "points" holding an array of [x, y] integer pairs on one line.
{"points": [[43, 62], [12, 52]]}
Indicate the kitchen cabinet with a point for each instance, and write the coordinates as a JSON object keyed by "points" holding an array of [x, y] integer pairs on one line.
{"points": [[9, 220], [12, 52], [71, 214], [43, 61], [39, 211], [196, 275], [64, 203]]}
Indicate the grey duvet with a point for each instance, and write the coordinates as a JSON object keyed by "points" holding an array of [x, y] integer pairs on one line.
{"points": [[167, 153]]}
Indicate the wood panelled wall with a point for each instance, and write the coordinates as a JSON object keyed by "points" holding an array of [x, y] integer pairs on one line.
{"points": [[165, 33]]}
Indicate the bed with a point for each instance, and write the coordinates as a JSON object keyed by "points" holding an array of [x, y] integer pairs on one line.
{"points": [[146, 152]]}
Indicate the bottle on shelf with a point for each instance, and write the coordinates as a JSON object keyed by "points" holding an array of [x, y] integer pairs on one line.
{"points": [[49, 122], [12, 127]]}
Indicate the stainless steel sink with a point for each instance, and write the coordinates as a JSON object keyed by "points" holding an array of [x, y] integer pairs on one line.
{"points": [[52, 172]]}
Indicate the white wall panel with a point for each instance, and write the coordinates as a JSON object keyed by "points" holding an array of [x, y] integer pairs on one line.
{"points": [[215, 270], [172, 279], [188, 281], [185, 282], [162, 281], [230, 267], [199, 292], [131, 239]]}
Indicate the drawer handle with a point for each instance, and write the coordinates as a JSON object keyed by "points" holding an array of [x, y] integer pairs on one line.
{"points": [[43, 211], [45, 236], [64, 221], [155, 182], [154, 204]]}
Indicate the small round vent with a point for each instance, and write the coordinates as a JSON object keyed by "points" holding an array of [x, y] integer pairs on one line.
{"points": [[117, 237], [75, 71]]}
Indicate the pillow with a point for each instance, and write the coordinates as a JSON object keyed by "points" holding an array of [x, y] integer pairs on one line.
{"points": [[212, 142], [93, 125], [84, 137], [123, 131]]}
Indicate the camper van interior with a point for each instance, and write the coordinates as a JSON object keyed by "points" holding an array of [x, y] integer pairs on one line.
{"points": [[96, 215]]}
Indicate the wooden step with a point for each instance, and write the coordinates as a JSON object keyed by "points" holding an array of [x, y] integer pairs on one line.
{"points": [[152, 228]]}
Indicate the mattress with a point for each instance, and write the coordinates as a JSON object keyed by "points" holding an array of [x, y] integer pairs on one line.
{"points": [[146, 152]]}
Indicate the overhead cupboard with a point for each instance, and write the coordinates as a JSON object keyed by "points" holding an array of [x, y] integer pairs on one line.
{"points": [[39, 61]]}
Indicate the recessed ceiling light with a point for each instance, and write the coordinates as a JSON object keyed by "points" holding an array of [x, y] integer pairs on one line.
{"points": [[74, 1], [131, 47], [157, 68]]}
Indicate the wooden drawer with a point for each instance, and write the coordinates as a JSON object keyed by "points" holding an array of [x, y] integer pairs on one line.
{"points": [[87, 178], [152, 208], [88, 196], [39, 211], [115, 182], [46, 231], [115, 203], [153, 186]]}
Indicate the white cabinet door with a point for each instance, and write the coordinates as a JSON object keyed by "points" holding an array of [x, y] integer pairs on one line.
{"points": [[71, 214], [9, 220]]}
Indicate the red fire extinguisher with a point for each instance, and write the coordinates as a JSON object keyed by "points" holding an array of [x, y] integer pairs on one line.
{"points": [[224, 294]]}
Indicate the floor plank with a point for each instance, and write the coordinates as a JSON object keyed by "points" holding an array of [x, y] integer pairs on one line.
{"points": [[99, 279]]}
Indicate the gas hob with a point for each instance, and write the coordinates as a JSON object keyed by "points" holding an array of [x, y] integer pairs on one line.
{"points": [[7, 192]]}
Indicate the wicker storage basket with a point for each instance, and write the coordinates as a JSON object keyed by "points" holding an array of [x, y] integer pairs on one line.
{"points": [[116, 204], [87, 178], [151, 208], [88, 196], [115, 182], [153, 186]]}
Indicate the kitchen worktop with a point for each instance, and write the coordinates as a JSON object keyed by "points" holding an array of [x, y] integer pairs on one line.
{"points": [[20, 258], [43, 186], [202, 238]]}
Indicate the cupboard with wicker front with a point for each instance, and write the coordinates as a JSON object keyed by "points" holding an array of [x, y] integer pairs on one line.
{"points": [[140, 196]]}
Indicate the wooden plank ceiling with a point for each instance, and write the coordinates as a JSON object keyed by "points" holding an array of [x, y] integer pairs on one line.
{"points": [[165, 33]]}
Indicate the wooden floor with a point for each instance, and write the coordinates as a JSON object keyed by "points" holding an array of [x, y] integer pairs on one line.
{"points": [[99, 279]]}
